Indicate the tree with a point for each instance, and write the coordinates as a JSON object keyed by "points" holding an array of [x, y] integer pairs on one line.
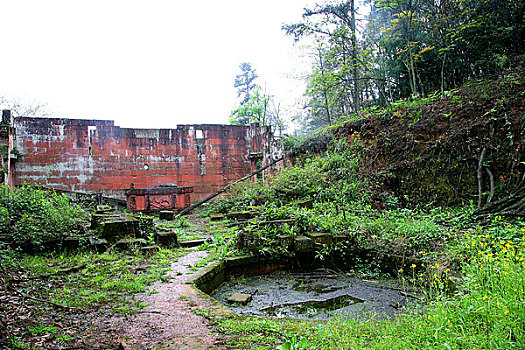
{"points": [[244, 82], [407, 49], [334, 87], [253, 110], [255, 105], [19, 108]]}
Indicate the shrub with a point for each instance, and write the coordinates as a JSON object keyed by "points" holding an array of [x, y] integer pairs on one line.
{"points": [[31, 215]]}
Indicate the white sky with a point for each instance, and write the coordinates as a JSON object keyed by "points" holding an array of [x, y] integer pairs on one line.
{"points": [[146, 64]]}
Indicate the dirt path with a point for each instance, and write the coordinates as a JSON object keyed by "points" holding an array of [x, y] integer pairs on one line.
{"points": [[169, 321]]}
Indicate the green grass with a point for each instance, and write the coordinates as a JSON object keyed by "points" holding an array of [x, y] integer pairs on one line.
{"points": [[259, 333], [106, 280], [487, 311]]}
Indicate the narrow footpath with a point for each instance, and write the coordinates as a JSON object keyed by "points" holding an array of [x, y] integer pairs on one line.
{"points": [[170, 320]]}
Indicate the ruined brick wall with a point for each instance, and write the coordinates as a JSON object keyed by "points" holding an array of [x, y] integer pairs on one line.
{"points": [[97, 156], [6, 146]]}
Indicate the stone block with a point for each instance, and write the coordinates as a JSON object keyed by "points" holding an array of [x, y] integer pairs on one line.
{"points": [[166, 215], [216, 217], [303, 244], [116, 229], [99, 245], [251, 241], [285, 241], [166, 239], [340, 239], [320, 237], [152, 249], [241, 215], [70, 244], [51, 245], [309, 203], [192, 243], [130, 243], [102, 209], [98, 219], [240, 298]]}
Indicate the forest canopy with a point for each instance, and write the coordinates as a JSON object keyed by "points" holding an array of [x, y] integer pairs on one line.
{"points": [[402, 49]]}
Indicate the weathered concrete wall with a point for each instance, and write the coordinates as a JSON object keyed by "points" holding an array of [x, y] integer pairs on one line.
{"points": [[97, 156]]}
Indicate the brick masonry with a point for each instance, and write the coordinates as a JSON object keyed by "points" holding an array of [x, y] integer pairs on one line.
{"points": [[97, 156]]}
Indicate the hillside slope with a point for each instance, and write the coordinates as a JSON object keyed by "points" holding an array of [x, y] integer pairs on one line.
{"points": [[446, 150]]}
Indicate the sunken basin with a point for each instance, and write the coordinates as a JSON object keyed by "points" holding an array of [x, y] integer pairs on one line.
{"points": [[276, 287]]}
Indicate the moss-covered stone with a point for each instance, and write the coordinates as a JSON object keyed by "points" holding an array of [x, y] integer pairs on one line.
{"points": [[192, 243], [216, 217], [130, 243], [166, 239], [119, 228], [102, 209], [285, 241], [249, 240], [303, 244], [70, 244], [98, 219], [98, 245], [241, 215], [166, 215], [152, 249], [323, 238]]}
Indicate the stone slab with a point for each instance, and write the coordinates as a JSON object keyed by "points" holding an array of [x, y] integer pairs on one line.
{"points": [[303, 244], [216, 217], [321, 237], [166, 215], [240, 298], [192, 243], [166, 239], [129, 243]]}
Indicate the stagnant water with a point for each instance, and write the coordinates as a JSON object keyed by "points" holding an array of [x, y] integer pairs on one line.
{"points": [[314, 295]]}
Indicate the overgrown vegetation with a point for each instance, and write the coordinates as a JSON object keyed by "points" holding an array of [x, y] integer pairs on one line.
{"points": [[415, 180], [41, 292], [419, 179], [32, 215], [49, 294], [485, 312]]}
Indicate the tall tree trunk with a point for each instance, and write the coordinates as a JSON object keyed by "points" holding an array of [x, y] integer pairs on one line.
{"points": [[357, 100], [325, 95]]}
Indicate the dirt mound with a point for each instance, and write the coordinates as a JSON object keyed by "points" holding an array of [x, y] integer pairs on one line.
{"points": [[446, 150]]}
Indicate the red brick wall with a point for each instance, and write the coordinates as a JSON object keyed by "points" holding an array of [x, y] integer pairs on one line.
{"points": [[97, 156]]}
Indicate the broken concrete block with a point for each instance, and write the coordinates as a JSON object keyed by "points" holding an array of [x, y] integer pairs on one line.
{"points": [[303, 244], [166, 239], [130, 243], [240, 298], [320, 237], [166, 215]]}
